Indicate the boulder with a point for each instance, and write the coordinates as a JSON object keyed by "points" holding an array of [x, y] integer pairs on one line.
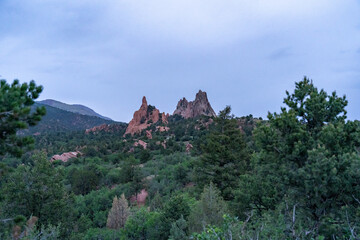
{"points": [[162, 128], [65, 156], [140, 198], [189, 146], [140, 143]]}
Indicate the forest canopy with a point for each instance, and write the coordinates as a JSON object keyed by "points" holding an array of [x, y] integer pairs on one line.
{"points": [[295, 175]]}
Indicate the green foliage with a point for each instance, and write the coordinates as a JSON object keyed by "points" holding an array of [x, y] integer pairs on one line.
{"points": [[178, 229], [174, 209], [165, 177], [113, 176], [131, 173], [49, 232], [225, 156], [85, 179], [15, 114], [209, 210], [19, 220], [143, 225], [145, 156], [307, 158], [99, 233], [96, 205], [227, 231], [76, 108], [37, 191], [301, 181], [57, 120]]}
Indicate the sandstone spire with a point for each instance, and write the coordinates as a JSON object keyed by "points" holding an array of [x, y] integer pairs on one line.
{"points": [[200, 106], [144, 117]]}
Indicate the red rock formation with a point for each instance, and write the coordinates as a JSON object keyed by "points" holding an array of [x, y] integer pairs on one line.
{"points": [[148, 134], [164, 118], [140, 143], [163, 144], [143, 118], [104, 128], [65, 156], [140, 199], [189, 146], [200, 106], [162, 128], [200, 124]]}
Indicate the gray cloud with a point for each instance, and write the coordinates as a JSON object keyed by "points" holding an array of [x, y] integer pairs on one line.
{"points": [[108, 54], [280, 53]]}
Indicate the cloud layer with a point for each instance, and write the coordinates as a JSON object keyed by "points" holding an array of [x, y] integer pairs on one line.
{"points": [[108, 54]]}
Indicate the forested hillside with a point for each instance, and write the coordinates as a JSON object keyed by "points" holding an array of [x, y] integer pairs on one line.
{"points": [[295, 175], [58, 120], [75, 108]]}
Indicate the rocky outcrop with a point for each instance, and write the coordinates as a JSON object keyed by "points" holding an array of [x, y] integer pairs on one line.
{"points": [[163, 144], [162, 128], [65, 156], [189, 146], [144, 117], [200, 106], [140, 198], [148, 134], [140, 143], [164, 118], [203, 123], [105, 128]]}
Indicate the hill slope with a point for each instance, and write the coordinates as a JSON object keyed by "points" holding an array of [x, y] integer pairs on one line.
{"points": [[75, 108], [57, 120]]}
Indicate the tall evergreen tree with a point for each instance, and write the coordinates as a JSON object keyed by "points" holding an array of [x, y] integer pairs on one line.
{"points": [[225, 155], [209, 210], [178, 229], [37, 191], [119, 213], [307, 158], [131, 173], [15, 114], [174, 209]]}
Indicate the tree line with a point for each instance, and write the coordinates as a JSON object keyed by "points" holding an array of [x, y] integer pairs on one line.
{"points": [[295, 176]]}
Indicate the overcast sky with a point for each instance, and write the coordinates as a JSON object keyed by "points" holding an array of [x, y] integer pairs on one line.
{"points": [[107, 54]]}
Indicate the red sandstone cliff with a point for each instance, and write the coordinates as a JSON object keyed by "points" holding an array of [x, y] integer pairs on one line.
{"points": [[144, 117], [200, 106]]}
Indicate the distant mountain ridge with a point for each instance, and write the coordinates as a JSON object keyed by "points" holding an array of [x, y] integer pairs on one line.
{"points": [[58, 120], [75, 108]]}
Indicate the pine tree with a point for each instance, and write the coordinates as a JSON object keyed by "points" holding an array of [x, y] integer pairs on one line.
{"points": [[209, 210], [176, 207], [307, 158], [15, 114], [119, 213], [178, 229], [131, 172], [38, 191], [225, 156]]}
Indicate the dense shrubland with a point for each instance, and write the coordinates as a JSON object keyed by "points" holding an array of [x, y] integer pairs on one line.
{"points": [[293, 176]]}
